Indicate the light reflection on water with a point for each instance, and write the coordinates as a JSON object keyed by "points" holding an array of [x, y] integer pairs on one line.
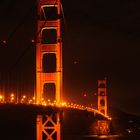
{"points": [[115, 137], [93, 137]]}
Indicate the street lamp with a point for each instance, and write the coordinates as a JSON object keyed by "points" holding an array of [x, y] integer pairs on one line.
{"points": [[12, 98]]}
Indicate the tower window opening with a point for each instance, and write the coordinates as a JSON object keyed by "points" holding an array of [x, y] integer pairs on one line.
{"points": [[49, 92], [49, 63], [102, 93], [102, 102], [102, 85], [49, 12], [49, 36]]}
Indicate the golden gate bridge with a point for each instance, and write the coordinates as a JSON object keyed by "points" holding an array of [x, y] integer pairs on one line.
{"points": [[49, 75]]}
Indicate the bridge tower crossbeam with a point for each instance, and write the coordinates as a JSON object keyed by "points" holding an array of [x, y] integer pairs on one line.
{"points": [[102, 96], [102, 125], [48, 65]]}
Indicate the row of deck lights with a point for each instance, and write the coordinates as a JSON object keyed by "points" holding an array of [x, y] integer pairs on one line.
{"points": [[24, 100], [13, 99], [45, 103]]}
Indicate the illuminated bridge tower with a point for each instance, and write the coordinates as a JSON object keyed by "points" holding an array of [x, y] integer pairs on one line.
{"points": [[48, 50], [48, 66], [102, 125], [102, 96]]}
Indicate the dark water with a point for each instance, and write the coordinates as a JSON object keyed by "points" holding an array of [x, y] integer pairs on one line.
{"points": [[118, 138], [19, 123], [72, 137]]}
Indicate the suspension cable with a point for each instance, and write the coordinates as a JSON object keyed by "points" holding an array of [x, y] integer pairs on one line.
{"points": [[30, 45]]}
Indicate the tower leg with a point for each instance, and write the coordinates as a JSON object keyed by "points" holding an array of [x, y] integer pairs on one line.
{"points": [[48, 127], [39, 127]]}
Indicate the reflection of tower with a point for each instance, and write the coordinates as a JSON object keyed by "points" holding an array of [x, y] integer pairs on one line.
{"points": [[48, 66], [48, 50], [102, 96]]}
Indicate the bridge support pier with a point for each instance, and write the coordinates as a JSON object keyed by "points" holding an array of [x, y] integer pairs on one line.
{"points": [[48, 127]]}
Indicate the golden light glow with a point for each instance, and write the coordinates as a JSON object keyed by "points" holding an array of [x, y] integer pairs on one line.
{"points": [[12, 95], [48, 102], [24, 97], [12, 98], [1, 97]]}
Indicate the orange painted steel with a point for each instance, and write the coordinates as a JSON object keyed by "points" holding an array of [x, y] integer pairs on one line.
{"points": [[49, 125], [44, 48], [102, 96], [55, 77]]}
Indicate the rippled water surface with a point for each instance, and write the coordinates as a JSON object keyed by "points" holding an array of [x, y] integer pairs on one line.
{"points": [[102, 137]]}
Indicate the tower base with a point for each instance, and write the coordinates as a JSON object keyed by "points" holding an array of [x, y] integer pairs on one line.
{"points": [[48, 127]]}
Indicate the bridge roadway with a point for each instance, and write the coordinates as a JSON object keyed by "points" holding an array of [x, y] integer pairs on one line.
{"points": [[48, 109]]}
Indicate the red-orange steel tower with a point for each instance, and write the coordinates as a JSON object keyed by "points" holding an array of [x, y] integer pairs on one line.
{"points": [[102, 125], [102, 96], [48, 66], [48, 49]]}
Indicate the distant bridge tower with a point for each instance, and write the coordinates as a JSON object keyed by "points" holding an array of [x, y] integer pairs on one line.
{"points": [[48, 66], [102, 125], [102, 96]]}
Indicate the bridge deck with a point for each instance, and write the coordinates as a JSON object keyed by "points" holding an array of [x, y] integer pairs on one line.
{"points": [[40, 110]]}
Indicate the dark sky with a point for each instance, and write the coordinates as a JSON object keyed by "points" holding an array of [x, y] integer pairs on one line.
{"points": [[101, 38]]}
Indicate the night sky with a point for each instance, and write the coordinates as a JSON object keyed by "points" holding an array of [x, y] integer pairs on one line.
{"points": [[101, 38]]}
